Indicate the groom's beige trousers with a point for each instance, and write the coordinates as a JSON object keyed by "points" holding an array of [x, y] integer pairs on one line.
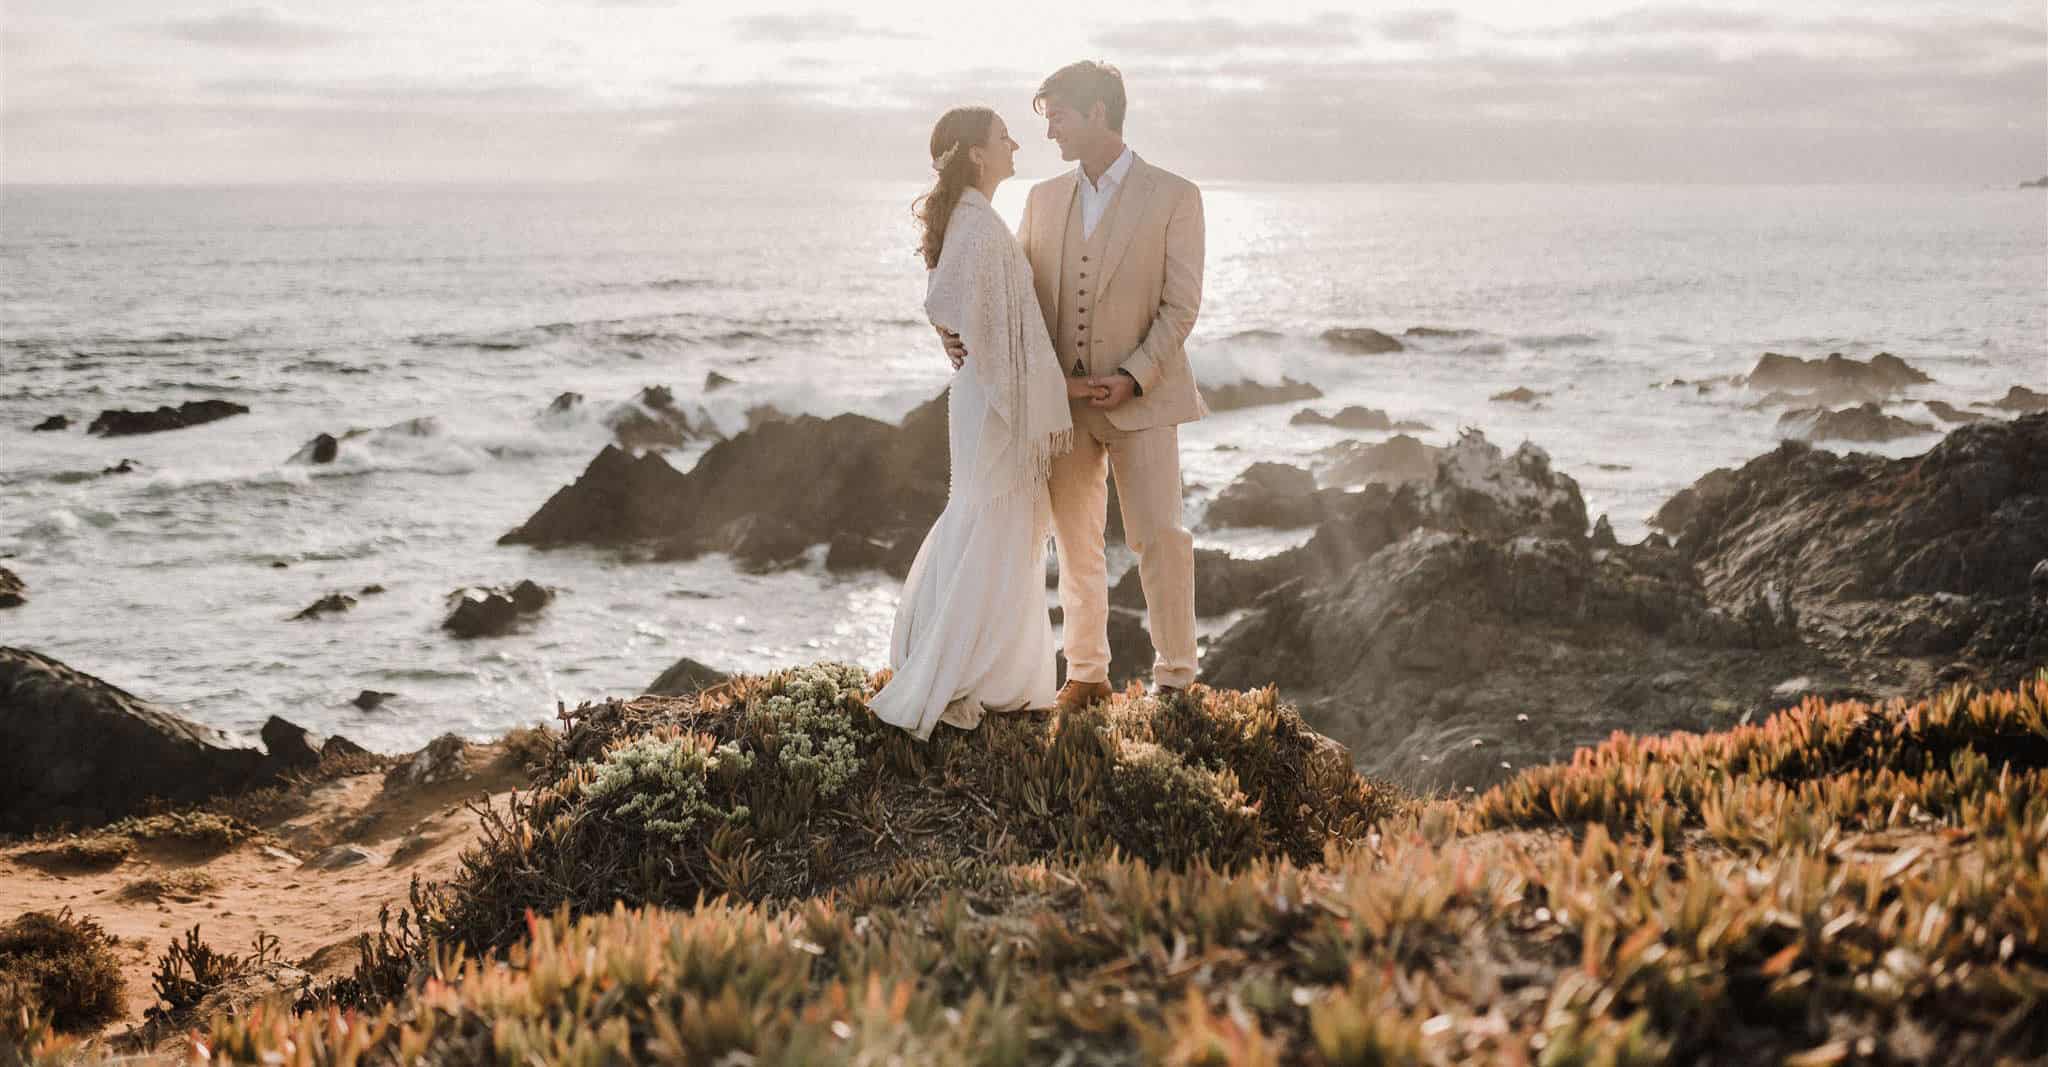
{"points": [[1146, 464]]}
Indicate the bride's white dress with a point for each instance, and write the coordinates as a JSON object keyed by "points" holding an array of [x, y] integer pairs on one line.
{"points": [[972, 629]]}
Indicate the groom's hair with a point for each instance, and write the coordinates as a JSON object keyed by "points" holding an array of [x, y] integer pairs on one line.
{"points": [[1083, 85]]}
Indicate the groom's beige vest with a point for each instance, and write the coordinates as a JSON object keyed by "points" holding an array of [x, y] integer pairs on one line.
{"points": [[1127, 296]]}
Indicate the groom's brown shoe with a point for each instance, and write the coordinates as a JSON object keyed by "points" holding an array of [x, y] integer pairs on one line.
{"points": [[1077, 695]]}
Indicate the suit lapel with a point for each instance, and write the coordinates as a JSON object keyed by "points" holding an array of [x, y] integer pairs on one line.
{"points": [[1124, 213], [1052, 225]]}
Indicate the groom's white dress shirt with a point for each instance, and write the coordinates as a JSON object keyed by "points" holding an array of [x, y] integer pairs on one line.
{"points": [[1094, 197]]}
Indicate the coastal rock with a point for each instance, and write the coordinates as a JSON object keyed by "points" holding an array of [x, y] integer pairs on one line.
{"points": [[1130, 650], [1480, 490], [1437, 333], [371, 699], [120, 423], [1223, 583], [565, 402], [444, 759], [13, 591], [1672, 516], [1397, 459], [491, 612], [652, 421], [289, 744], [1864, 422], [75, 750], [323, 448], [1520, 394], [1238, 395], [824, 478], [326, 448], [1969, 516], [1359, 340], [1268, 495], [54, 422], [2018, 398], [331, 604], [1352, 418], [758, 543], [853, 552], [126, 466], [1834, 380], [686, 678], [1947, 412], [715, 381]]}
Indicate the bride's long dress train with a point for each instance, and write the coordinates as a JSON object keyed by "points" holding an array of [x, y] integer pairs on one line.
{"points": [[973, 631]]}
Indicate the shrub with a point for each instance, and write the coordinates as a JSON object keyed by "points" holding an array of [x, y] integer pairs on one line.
{"points": [[61, 969]]}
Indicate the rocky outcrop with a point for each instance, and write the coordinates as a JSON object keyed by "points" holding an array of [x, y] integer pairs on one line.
{"points": [[1421, 618], [1947, 412], [1359, 340], [13, 591], [1864, 423], [53, 423], [1834, 380], [491, 612], [1354, 417], [119, 423], [803, 481], [1238, 395], [686, 677], [2018, 398], [1270, 495], [77, 751], [1397, 459], [372, 699], [1520, 394], [326, 448], [715, 381]]}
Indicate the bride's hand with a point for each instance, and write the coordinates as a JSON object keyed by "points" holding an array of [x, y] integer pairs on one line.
{"points": [[1079, 389]]}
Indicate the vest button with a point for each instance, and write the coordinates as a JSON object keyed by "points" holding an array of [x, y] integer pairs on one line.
{"points": [[1084, 259]]}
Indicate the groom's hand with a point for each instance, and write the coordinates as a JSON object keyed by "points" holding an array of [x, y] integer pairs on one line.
{"points": [[956, 349], [1112, 390]]}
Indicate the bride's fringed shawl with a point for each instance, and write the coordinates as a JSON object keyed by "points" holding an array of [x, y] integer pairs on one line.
{"points": [[982, 291]]}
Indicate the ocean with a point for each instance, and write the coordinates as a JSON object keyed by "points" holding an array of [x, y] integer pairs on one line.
{"points": [[331, 309]]}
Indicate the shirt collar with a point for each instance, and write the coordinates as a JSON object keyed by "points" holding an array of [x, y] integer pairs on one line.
{"points": [[1112, 177]]}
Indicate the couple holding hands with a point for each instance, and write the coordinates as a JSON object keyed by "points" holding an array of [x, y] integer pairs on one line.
{"points": [[1068, 343]]}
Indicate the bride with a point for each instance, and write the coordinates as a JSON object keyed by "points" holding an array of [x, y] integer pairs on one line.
{"points": [[972, 630]]}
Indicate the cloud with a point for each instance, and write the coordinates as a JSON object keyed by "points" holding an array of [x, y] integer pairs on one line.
{"points": [[1216, 35], [1431, 25], [816, 27], [256, 29]]}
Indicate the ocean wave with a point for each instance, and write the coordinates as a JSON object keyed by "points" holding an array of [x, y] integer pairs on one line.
{"points": [[1546, 341]]}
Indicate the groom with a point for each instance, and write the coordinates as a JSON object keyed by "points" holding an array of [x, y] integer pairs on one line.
{"points": [[1116, 253]]}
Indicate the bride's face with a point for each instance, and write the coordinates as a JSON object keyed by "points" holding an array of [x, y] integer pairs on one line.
{"points": [[998, 155]]}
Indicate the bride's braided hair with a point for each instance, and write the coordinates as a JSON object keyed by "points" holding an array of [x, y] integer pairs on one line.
{"points": [[957, 131]]}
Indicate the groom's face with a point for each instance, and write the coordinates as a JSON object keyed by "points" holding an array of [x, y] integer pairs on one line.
{"points": [[1072, 129]]}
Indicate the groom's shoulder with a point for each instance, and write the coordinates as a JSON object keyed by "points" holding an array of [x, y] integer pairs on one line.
{"points": [[1170, 180], [1047, 186]]}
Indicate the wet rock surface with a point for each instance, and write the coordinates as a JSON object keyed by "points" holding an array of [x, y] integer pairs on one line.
{"points": [[1834, 380], [1360, 340], [797, 482], [490, 612], [1864, 422], [13, 591], [685, 678], [122, 423], [1239, 395]]}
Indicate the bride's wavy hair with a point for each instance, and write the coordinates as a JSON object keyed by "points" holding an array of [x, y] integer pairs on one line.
{"points": [[957, 131]]}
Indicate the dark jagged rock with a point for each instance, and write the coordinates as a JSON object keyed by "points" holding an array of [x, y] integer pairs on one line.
{"points": [[371, 699], [1520, 394], [686, 678], [652, 421], [565, 402], [54, 422], [75, 750], [715, 381], [1968, 516], [1947, 412], [2038, 580], [13, 591], [849, 475], [492, 612], [444, 759], [324, 448], [1360, 340], [126, 466], [1397, 459], [1223, 582], [118, 423], [332, 603], [1864, 422], [1672, 516], [2018, 398], [758, 543], [1423, 617], [853, 552], [1238, 395], [1269, 495], [1603, 533], [289, 744]]}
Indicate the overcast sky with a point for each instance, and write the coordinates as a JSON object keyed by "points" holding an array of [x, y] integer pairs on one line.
{"points": [[549, 90]]}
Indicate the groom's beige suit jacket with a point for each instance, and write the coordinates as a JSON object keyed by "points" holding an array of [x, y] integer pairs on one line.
{"points": [[1141, 304]]}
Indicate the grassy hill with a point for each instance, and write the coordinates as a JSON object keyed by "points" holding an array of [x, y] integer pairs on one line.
{"points": [[766, 875]]}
